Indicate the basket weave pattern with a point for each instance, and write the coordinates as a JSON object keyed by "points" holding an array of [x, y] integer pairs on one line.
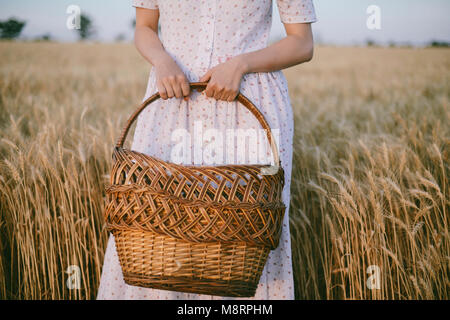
{"points": [[199, 229], [183, 203], [206, 268]]}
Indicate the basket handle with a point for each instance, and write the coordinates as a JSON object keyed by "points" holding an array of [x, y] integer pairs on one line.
{"points": [[200, 86]]}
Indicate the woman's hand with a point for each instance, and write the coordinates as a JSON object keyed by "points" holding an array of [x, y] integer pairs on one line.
{"points": [[170, 79], [225, 79]]}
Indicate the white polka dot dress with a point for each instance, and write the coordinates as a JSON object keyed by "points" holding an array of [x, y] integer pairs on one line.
{"points": [[199, 35]]}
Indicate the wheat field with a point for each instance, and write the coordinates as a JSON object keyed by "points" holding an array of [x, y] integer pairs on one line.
{"points": [[370, 190]]}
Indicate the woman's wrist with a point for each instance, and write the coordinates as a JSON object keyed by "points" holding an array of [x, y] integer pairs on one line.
{"points": [[159, 57], [242, 63]]}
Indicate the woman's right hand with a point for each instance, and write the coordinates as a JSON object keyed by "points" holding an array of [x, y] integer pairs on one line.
{"points": [[170, 79]]}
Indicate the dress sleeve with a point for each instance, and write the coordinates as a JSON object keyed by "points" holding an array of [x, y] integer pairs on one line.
{"points": [[148, 4], [296, 11]]}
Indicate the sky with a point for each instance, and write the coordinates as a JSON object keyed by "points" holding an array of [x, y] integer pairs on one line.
{"points": [[340, 22]]}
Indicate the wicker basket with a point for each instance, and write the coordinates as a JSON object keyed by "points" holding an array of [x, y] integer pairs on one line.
{"points": [[190, 228]]}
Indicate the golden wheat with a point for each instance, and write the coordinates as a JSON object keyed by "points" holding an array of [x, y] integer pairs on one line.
{"points": [[370, 178]]}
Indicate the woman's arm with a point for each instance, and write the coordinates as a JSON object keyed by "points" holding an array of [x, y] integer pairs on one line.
{"points": [[297, 47], [170, 79]]}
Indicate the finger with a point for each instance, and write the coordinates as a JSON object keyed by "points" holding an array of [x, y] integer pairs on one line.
{"points": [[227, 95], [218, 94], [209, 90], [177, 90], [222, 96], [232, 96], [206, 76], [185, 88], [162, 90], [169, 89]]}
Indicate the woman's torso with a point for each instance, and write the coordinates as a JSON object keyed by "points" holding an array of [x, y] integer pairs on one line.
{"points": [[202, 34]]}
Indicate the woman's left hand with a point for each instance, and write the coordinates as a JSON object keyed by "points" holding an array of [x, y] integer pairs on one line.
{"points": [[225, 79]]}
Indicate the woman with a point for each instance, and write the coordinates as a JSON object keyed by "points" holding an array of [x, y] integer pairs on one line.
{"points": [[223, 43]]}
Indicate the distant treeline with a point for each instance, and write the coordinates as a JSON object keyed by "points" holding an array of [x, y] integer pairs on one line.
{"points": [[12, 28], [439, 44]]}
